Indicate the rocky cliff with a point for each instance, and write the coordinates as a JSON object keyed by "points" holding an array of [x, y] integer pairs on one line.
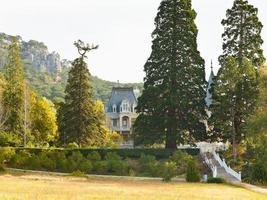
{"points": [[36, 53]]}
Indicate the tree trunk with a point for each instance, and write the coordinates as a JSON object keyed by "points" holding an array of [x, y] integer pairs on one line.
{"points": [[171, 142]]}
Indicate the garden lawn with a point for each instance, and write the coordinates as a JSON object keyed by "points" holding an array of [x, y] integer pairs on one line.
{"points": [[39, 187]]}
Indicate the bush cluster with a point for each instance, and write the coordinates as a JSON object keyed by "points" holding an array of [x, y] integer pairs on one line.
{"points": [[93, 162], [215, 180]]}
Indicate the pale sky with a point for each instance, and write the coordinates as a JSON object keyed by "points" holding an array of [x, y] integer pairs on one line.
{"points": [[122, 28]]}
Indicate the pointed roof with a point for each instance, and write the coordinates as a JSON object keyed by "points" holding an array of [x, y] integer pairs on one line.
{"points": [[118, 95], [210, 82]]}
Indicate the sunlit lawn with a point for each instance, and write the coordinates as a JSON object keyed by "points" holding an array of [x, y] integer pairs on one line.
{"points": [[56, 187]]}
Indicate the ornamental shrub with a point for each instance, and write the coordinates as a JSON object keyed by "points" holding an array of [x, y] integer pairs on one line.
{"points": [[192, 172], [181, 160], [169, 171]]}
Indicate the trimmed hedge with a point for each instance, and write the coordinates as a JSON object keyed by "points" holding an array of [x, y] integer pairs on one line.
{"points": [[124, 153]]}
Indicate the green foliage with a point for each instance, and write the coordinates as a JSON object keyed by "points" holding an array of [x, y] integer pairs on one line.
{"points": [[6, 153], [149, 166], [76, 161], [124, 153], [77, 117], [20, 159], [172, 106], [215, 180], [112, 156], [169, 171], [192, 172], [234, 99], [101, 167], [14, 89], [78, 173], [43, 121], [239, 39], [181, 160], [94, 156], [9, 139], [259, 172]]}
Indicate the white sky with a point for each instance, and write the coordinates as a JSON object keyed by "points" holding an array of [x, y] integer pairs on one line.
{"points": [[122, 28]]}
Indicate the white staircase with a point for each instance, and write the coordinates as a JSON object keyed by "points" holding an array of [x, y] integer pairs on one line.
{"points": [[219, 167]]}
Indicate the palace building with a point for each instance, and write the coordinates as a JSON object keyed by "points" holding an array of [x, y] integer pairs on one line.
{"points": [[120, 112]]}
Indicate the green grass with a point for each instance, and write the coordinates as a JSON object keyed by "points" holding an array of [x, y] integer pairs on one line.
{"points": [[40, 187]]}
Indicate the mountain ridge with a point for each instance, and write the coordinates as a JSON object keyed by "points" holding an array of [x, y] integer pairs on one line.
{"points": [[47, 73]]}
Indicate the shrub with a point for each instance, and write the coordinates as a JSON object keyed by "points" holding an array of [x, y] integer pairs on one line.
{"points": [[101, 167], [259, 172], [94, 156], [34, 162], [133, 166], [78, 173], [181, 159], [48, 161], [6, 153], [169, 171], [192, 172], [149, 166], [20, 159], [145, 161], [215, 180], [117, 167], [85, 166], [112, 156], [2, 169]]}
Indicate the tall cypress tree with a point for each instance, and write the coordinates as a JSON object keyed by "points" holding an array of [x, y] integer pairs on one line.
{"points": [[77, 118], [14, 90], [172, 106]]}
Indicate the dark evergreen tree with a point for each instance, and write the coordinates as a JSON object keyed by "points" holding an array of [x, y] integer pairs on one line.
{"points": [[242, 35], [233, 101], [236, 86], [14, 90], [172, 106], [77, 118]]}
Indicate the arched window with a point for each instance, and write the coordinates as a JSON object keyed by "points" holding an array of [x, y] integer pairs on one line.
{"points": [[125, 106], [114, 108]]}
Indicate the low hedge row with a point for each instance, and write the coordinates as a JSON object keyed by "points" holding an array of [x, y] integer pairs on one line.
{"points": [[124, 153], [58, 160]]}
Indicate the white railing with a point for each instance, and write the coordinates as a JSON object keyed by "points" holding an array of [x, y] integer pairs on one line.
{"points": [[212, 167], [228, 169]]}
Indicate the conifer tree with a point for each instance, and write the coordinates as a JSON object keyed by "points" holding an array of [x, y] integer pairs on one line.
{"points": [[242, 33], [77, 117], [172, 106], [242, 55], [14, 90]]}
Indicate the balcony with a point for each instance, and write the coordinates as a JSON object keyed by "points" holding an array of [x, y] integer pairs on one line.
{"points": [[123, 128]]}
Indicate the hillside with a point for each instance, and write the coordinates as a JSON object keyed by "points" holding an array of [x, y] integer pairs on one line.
{"points": [[47, 73]]}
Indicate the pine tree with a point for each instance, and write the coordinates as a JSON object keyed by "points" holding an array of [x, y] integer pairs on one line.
{"points": [[242, 54], [172, 106], [77, 117], [242, 35], [14, 90]]}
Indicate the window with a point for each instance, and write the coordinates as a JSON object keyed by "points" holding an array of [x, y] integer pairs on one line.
{"points": [[114, 108], [115, 123]]}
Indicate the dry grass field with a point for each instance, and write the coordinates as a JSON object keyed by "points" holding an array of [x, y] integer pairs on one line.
{"points": [[39, 187]]}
